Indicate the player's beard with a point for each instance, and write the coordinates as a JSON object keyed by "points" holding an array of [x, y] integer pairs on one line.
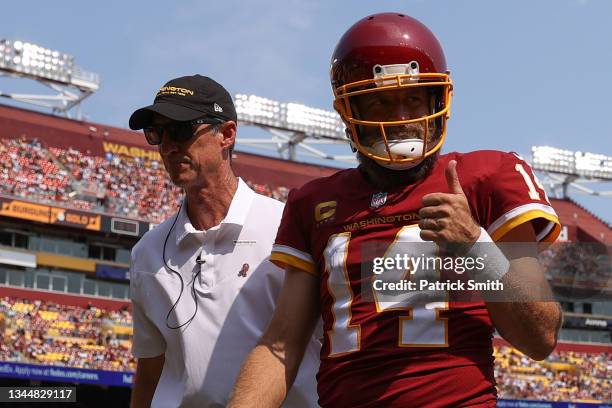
{"points": [[389, 179]]}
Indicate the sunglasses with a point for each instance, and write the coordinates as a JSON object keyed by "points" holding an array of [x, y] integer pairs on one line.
{"points": [[177, 131]]}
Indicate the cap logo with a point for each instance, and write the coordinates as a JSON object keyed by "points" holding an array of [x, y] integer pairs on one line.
{"points": [[173, 90], [217, 108]]}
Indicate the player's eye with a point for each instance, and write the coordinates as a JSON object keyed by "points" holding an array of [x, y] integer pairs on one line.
{"points": [[380, 101], [414, 99]]}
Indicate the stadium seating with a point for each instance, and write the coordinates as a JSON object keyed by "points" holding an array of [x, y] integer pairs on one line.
{"points": [[29, 172], [130, 187], [119, 185], [564, 376], [579, 265], [279, 193], [48, 333]]}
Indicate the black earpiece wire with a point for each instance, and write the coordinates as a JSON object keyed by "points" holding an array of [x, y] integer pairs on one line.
{"points": [[192, 281]]}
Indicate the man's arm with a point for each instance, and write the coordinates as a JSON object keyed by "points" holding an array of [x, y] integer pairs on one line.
{"points": [[525, 320], [530, 326], [148, 371], [271, 367]]}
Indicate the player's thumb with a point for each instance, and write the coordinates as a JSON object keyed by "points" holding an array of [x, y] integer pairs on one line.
{"points": [[452, 179]]}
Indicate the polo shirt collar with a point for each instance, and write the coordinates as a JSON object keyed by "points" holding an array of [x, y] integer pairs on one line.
{"points": [[236, 214]]}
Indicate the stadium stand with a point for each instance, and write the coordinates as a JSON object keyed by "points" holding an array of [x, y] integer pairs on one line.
{"points": [[28, 171], [45, 332], [131, 187], [57, 281], [114, 172], [566, 375], [126, 186], [81, 337]]}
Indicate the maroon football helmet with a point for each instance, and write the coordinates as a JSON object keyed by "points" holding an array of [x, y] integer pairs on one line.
{"points": [[382, 65]]}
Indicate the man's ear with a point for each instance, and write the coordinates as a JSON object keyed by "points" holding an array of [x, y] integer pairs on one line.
{"points": [[228, 131]]}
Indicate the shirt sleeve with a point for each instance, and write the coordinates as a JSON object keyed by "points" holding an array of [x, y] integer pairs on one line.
{"points": [[292, 246], [516, 196], [147, 340]]}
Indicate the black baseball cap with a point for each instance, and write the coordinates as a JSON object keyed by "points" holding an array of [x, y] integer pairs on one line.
{"points": [[185, 99]]}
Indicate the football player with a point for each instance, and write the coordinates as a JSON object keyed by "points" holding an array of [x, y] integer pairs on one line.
{"points": [[393, 91]]}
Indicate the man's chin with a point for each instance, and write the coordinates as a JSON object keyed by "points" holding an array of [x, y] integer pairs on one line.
{"points": [[180, 180], [388, 178]]}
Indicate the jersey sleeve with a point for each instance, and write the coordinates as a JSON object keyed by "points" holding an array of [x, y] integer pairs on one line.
{"points": [[292, 246], [516, 196]]}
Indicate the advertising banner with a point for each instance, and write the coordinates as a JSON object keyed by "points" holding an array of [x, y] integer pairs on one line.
{"points": [[65, 374]]}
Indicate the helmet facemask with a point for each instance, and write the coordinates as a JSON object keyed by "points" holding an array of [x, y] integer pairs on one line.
{"points": [[397, 118]]}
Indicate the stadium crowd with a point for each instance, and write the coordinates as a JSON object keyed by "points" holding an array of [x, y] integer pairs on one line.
{"points": [[90, 337], [280, 193], [114, 184], [584, 265], [29, 172], [48, 333], [563, 376], [126, 186]]}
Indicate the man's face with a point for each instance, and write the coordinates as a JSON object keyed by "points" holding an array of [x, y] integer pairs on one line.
{"points": [[188, 163], [391, 106]]}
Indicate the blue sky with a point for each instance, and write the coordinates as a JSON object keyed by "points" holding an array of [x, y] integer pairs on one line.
{"points": [[525, 72]]}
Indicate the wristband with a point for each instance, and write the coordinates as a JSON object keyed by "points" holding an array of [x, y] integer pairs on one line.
{"points": [[496, 263]]}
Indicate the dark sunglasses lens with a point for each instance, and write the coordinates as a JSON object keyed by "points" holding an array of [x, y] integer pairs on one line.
{"points": [[180, 132], [153, 134]]}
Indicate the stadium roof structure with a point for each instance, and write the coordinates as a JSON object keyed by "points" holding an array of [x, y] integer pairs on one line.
{"points": [[565, 169], [292, 126], [69, 84]]}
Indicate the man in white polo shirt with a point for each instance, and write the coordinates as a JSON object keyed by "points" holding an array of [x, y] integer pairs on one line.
{"points": [[202, 287]]}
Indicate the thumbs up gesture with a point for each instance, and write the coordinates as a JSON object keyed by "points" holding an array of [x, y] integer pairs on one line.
{"points": [[446, 217]]}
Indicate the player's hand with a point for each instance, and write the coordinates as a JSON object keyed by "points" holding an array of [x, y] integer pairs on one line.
{"points": [[446, 217]]}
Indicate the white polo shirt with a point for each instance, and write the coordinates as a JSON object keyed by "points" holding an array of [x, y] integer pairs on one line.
{"points": [[236, 293]]}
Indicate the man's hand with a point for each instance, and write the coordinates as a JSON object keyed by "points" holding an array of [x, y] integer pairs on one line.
{"points": [[446, 217]]}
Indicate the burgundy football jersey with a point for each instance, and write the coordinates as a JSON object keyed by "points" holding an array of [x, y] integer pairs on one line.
{"points": [[377, 354]]}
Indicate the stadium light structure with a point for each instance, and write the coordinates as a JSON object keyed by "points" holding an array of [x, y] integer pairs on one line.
{"points": [[51, 68], [566, 168], [292, 126]]}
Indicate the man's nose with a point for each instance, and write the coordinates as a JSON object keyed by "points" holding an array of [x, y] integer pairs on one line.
{"points": [[167, 145], [404, 112]]}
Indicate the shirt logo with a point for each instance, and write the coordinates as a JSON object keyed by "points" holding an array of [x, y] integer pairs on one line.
{"points": [[217, 108], [243, 270], [325, 210], [378, 200]]}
